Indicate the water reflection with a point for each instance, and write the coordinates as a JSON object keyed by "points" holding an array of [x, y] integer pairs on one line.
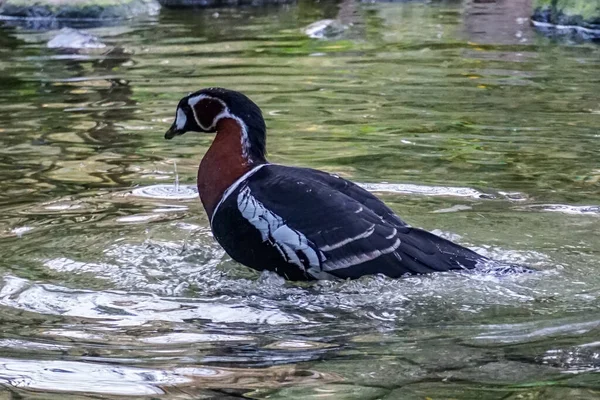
{"points": [[499, 21], [460, 120]]}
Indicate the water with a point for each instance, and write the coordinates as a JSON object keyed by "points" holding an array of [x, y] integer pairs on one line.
{"points": [[465, 122]]}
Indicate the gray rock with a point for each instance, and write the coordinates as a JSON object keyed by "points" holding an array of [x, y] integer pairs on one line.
{"points": [[78, 9], [68, 38]]}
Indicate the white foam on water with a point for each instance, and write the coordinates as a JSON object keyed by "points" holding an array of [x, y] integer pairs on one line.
{"points": [[167, 192], [187, 337], [86, 377], [409, 188], [116, 308], [33, 346], [564, 209], [21, 230]]}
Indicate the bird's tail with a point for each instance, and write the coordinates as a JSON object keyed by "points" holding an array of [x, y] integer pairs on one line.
{"points": [[444, 255]]}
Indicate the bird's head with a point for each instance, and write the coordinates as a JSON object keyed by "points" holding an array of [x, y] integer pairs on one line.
{"points": [[201, 111], [206, 110]]}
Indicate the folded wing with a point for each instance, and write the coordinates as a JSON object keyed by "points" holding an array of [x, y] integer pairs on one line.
{"points": [[330, 226]]}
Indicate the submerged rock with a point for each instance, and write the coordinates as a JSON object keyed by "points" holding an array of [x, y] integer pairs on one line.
{"points": [[68, 38], [325, 29], [77, 9], [570, 16]]}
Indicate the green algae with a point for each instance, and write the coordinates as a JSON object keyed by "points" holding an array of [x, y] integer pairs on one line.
{"points": [[584, 13]]}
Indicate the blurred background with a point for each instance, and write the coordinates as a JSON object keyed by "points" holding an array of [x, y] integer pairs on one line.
{"points": [[478, 120]]}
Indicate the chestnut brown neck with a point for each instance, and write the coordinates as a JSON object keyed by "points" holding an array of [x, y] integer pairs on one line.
{"points": [[224, 162]]}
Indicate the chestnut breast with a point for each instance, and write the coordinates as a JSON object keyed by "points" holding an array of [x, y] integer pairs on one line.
{"points": [[222, 165]]}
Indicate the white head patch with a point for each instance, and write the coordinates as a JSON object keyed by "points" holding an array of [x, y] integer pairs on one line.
{"points": [[180, 119]]}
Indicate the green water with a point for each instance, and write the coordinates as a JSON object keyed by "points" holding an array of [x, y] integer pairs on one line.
{"points": [[470, 124]]}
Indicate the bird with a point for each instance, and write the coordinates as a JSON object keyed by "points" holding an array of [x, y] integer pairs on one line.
{"points": [[301, 223]]}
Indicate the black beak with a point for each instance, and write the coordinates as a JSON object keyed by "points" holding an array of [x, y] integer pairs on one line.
{"points": [[173, 131]]}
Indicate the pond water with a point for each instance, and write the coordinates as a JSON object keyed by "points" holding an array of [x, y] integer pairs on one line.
{"points": [[464, 122]]}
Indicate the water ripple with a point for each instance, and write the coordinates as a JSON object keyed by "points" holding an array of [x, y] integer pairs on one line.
{"points": [[170, 192], [125, 309]]}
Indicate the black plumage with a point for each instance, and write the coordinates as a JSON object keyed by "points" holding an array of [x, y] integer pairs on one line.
{"points": [[349, 231]]}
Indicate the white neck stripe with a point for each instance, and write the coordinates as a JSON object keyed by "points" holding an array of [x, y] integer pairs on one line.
{"points": [[234, 186], [244, 133]]}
